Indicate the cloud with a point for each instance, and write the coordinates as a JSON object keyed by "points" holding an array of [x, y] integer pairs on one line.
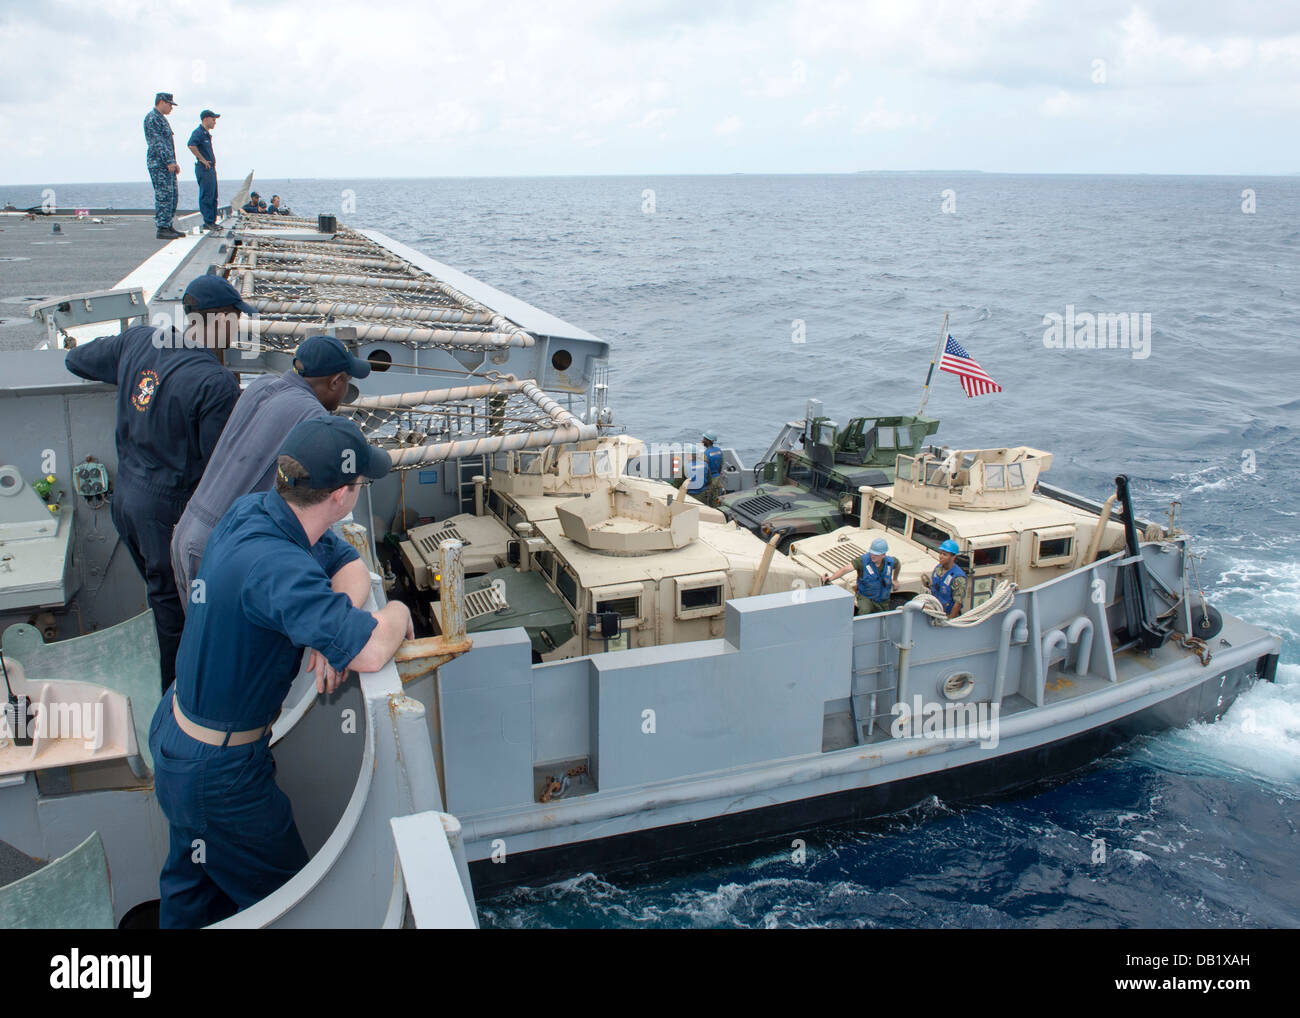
{"points": [[1060, 104], [823, 115], [406, 88], [878, 118]]}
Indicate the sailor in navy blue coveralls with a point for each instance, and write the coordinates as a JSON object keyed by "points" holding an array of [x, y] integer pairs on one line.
{"points": [[267, 595], [205, 166], [172, 404]]}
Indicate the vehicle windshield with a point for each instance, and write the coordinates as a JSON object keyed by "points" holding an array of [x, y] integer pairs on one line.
{"points": [[799, 472]]}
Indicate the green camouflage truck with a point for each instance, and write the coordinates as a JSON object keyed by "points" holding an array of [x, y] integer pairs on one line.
{"points": [[808, 483]]}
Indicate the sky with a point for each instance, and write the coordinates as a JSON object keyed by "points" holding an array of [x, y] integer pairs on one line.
{"points": [[483, 88]]}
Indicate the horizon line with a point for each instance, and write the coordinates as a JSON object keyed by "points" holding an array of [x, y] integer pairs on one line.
{"points": [[729, 173]]}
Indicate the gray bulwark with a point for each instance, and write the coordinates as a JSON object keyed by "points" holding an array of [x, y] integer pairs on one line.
{"points": [[72, 892], [648, 718]]}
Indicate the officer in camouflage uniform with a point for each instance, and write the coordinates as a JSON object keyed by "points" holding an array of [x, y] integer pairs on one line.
{"points": [[877, 575], [948, 581], [160, 158], [714, 489]]}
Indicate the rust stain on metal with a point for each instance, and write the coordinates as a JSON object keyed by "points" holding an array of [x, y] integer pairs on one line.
{"points": [[416, 658]]}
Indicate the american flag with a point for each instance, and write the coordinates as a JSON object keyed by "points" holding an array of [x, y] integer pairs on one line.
{"points": [[957, 361]]}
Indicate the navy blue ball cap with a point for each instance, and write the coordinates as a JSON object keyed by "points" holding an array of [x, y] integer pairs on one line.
{"points": [[333, 452], [208, 113], [214, 292], [164, 97], [322, 356]]}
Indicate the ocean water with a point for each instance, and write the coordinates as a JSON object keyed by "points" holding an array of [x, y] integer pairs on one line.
{"points": [[700, 287]]}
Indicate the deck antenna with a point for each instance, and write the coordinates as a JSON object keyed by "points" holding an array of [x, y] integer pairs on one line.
{"points": [[925, 389]]}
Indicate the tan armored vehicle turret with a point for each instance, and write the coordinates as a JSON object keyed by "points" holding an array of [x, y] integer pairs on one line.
{"points": [[626, 566], [984, 499], [529, 486]]}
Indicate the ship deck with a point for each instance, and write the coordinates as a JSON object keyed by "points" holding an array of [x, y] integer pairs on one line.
{"points": [[37, 264]]}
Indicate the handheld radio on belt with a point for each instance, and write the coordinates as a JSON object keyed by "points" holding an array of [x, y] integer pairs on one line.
{"points": [[18, 711]]}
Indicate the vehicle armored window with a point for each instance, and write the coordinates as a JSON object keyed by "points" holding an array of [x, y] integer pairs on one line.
{"points": [[700, 596], [497, 506], [545, 563], [928, 535], [567, 584], [989, 558], [889, 517], [623, 607], [1053, 547], [799, 472]]}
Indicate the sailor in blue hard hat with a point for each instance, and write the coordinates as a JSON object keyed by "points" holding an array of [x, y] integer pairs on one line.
{"points": [[948, 581], [244, 459], [877, 576], [712, 489], [174, 397], [276, 581]]}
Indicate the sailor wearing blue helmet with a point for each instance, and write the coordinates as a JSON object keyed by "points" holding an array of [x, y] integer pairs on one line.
{"points": [[948, 581], [713, 486], [877, 575]]}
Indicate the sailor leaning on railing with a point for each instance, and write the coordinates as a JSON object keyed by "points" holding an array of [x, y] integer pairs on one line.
{"points": [[274, 579], [174, 396]]}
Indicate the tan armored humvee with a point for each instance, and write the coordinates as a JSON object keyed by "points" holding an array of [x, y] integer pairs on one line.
{"points": [[528, 486], [588, 559], [656, 569], [983, 499]]}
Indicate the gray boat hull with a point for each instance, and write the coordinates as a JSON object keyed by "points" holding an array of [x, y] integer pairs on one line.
{"points": [[1049, 762]]}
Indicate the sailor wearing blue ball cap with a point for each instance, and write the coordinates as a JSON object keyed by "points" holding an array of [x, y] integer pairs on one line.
{"points": [[276, 581], [173, 400], [877, 575], [244, 460]]}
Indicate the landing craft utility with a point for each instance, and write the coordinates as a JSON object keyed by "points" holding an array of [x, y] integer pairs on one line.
{"points": [[639, 677]]}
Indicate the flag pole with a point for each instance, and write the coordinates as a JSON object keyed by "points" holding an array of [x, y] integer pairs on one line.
{"points": [[925, 389]]}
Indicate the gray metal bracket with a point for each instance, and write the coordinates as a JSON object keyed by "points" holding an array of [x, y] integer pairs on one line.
{"points": [[64, 313]]}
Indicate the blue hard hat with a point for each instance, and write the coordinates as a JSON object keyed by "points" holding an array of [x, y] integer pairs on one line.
{"points": [[879, 546], [950, 546]]}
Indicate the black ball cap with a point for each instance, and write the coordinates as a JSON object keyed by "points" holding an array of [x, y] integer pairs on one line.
{"points": [[334, 452]]}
